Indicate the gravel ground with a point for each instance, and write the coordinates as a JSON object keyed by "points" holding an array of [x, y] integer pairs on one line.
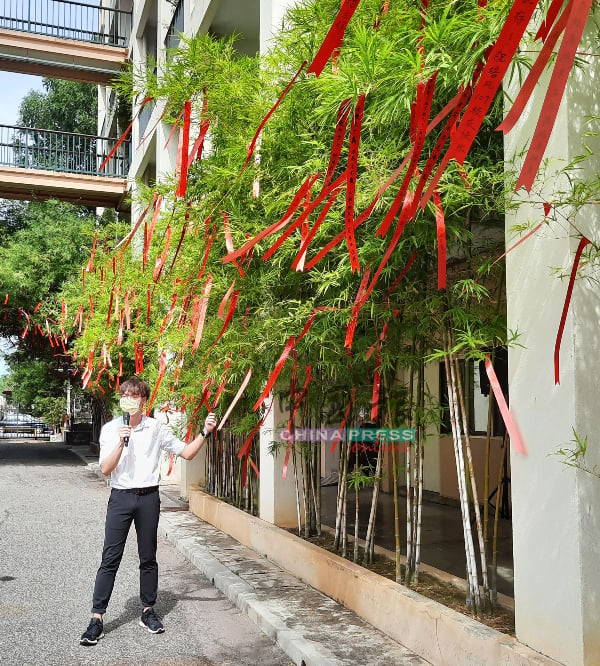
{"points": [[51, 530]]}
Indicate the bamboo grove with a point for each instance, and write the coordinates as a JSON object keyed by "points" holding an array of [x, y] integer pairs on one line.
{"points": [[167, 306]]}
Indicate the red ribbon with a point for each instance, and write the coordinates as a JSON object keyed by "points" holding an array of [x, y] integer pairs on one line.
{"points": [[150, 230], [160, 261], [338, 139], [162, 365], [499, 60], [376, 385], [238, 395], [539, 66], [232, 305], [202, 312], [441, 239], [278, 368], [124, 135], [582, 243], [269, 114], [564, 62], [555, 7], [351, 186], [308, 183], [511, 425], [221, 311], [359, 301], [185, 145], [334, 37], [229, 241]]}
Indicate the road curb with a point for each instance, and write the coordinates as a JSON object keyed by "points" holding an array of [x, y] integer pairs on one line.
{"points": [[300, 649]]}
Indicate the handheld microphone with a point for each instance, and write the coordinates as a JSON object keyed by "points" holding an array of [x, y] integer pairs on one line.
{"points": [[126, 422]]}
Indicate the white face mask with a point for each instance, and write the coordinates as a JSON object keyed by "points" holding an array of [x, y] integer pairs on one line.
{"points": [[129, 404]]}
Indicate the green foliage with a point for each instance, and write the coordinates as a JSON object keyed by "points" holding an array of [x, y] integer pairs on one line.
{"points": [[66, 106], [276, 301], [575, 455], [50, 409]]}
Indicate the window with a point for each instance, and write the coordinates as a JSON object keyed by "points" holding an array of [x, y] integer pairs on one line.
{"points": [[476, 387]]}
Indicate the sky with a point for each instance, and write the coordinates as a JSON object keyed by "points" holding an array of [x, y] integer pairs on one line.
{"points": [[14, 87]]}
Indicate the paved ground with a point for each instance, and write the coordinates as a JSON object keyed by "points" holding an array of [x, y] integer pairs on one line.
{"points": [[51, 524], [52, 512]]}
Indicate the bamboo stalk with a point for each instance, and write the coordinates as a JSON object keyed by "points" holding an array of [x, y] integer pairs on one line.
{"points": [[398, 554], [340, 492], [356, 506], [370, 537], [408, 475], [478, 523], [460, 473], [421, 450]]}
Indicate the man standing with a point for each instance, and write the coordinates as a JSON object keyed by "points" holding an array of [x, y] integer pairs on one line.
{"points": [[130, 454]]}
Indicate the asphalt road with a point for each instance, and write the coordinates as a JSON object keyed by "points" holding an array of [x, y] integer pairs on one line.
{"points": [[52, 513]]}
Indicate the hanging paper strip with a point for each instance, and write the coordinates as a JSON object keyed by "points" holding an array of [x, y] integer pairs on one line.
{"points": [[185, 146], [334, 37], [277, 225], [124, 135], [511, 426], [521, 240], [553, 11], [151, 130], [359, 301], [298, 263], [175, 125], [160, 261], [353, 149], [162, 366], [300, 396], [423, 104], [222, 383], [124, 244], [382, 12], [396, 282], [232, 306], [223, 304], [518, 106], [235, 400], [269, 114], [206, 252], [178, 248], [90, 266], [196, 152], [564, 62], [148, 237], [343, 423], [499, 60], [278, 368], [441, 240], [169, 314], [229, 241], [338, 139], [582, 243], [202, 312]]}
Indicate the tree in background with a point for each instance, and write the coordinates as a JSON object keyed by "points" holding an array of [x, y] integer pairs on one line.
{"points": [[66, 106]]}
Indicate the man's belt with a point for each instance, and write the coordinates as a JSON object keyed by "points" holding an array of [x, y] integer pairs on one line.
{"points": [[140, 491]]}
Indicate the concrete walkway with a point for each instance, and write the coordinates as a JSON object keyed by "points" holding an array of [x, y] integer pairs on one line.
{"points": [[51, 527]]}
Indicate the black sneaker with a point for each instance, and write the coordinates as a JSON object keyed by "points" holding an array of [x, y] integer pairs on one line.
{"points": [[151, 621], [93, 633]]}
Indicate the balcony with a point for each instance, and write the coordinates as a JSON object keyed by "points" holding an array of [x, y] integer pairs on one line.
{"points": [[44, 164], [63, 39]]}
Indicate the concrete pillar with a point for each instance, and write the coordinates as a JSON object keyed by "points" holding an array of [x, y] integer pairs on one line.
{"points": [[556, 522], [271, 17], [193, 472], [277, 496]]}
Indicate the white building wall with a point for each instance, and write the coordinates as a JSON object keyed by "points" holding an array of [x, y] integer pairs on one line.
{"points": [[556, 528]]}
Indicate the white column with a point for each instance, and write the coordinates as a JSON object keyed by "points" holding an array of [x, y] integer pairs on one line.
{"points": [[556, 509], [193, 473], [271, 17], [277, 496]]}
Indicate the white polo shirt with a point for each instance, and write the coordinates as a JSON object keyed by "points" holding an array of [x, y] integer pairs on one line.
{"points": [[139, 465]]}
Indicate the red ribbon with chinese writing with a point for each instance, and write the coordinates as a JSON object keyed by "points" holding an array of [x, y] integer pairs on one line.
{"points": [[334, 37], [353, 148]]}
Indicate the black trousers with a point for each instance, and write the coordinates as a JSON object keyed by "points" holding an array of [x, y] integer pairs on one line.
{"points": [[124, 508]]}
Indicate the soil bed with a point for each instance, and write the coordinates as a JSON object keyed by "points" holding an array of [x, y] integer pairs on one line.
{"points": [[500, 619]]}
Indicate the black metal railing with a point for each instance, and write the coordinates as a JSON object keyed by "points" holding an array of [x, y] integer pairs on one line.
{"points": [[80, 21], [49, 150]]}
